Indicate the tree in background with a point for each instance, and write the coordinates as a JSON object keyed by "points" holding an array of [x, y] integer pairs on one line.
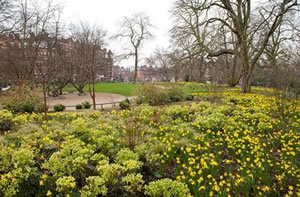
{"points": [[89, 42], [135, 30]]}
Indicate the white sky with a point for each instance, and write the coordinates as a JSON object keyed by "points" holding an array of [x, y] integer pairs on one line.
{"points": [[107, 13]]}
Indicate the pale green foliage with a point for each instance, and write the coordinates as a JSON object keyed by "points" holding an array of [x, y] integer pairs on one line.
{"points": [[95, 186], [6, 120], [65, 184], [5, 115], [21, 119], [178, 111], [100, 158], [167, 188], [132, 165], [16, 166], [111, 172], [125, 155], [71, 158], [133, 183], [150, 152], [213, 121]]}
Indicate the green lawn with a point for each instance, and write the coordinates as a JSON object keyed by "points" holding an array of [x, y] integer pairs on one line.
{"points": [[125, 89], [128, 89]]}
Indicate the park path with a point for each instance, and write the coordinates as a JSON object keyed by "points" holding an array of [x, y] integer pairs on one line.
{"points": [[72, 99]]}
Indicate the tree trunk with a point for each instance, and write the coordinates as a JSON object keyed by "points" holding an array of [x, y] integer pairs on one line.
{"points": [[79, 88], [45, 99], [92, 93], [246, 82], [234, 75], [94, 97], [135, 65], [247, 67]]}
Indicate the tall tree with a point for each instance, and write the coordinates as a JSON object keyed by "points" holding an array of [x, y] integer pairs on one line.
{"points": [[135, 30], [251, 28]]}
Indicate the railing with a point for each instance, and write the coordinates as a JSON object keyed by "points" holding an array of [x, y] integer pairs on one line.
{"points": [[102, 104]]}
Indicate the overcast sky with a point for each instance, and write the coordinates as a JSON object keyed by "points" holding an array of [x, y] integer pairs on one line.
{"points": [[108, 13]]}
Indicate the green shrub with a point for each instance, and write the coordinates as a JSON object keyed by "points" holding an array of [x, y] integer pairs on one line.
{"points": [[214, 121], [6, 120], [65, 184], [133, 183], [25, 105], [70, 160], [79, 106], [125, 104], [189, 97], [125, 155], [175, 94], [95, 186], [167, 188], [18, 164], [152, 95], [86, 105], [59, 107], [156, 95]]}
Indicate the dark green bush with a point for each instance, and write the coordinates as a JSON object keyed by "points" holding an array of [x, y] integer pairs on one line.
{"points": [[86, 105], [125, 104], [189, 97], [79, 106], [59, 107]]}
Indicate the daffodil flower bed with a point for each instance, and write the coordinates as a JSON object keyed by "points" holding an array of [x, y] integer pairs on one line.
{"points": [[239, 146]]}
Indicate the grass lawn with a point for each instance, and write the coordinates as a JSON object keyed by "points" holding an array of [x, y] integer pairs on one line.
{"points": [[194, 87], [125, 89]]}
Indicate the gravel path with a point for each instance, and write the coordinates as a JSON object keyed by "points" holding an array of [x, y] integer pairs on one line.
{"points": [[72, 99]]}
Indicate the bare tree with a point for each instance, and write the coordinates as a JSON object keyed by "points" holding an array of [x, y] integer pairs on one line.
{"points": [[46, 18], [277, 66], [160, 59], [248, 25], [60, 72], [89, 42], [136, 30]]}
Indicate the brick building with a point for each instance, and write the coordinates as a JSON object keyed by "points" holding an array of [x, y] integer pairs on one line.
{"points": [[105, 70], [149, 74], [35, 57], [122, 74]]}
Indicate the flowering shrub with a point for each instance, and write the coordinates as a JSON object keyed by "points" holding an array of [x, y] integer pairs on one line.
{"points": [[95, 186], [16, 167], [125, 155], [237, 146], [6, 122], [167, 188]]}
